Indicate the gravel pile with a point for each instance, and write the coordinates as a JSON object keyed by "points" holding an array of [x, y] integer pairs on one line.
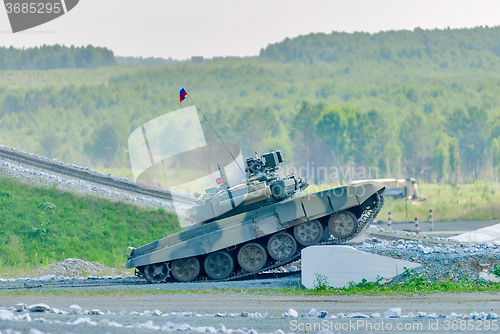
{"points": [[77, 268], [439, 261]]}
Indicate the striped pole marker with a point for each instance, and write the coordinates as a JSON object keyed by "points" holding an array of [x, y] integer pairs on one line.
{"points": [[431, 219]]}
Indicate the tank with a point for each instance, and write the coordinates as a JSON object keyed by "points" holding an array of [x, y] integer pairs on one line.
{"points": [[257, 225]]}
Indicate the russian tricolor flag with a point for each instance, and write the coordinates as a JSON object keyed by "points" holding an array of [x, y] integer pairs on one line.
{"points": [[183, 94]]}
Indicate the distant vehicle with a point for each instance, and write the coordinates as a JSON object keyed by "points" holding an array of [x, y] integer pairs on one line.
{"points": [[397, 188]]}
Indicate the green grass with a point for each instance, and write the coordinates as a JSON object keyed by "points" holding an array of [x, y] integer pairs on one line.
{"points": [[476, 201], [417, 285], [40, 225]]}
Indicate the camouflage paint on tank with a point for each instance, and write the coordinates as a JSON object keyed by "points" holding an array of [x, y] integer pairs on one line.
{"points": [[250, 225]]}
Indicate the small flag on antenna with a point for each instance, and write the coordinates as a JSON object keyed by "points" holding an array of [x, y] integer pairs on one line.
{"points": [[183, 94]]}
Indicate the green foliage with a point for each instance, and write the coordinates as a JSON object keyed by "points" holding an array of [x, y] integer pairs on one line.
{"points": [[438, 49], [139, 61], [496, 270], [411, 284], [44, 225], [391, 100], [440, 161], [495, 151], [50, 57], [336, 127], [105, 142]]}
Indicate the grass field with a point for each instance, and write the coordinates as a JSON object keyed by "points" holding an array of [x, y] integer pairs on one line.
{"points": [[477, 201], [39, 226], [474, 201]]}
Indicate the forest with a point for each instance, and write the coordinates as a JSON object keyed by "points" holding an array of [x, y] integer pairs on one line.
{"points": [[56, 56], [422, 103]]}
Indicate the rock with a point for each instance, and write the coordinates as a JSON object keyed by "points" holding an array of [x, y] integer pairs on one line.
{"points": [[96, 312], [393, 313], [58, 311], [356, 315], [453, 316], [6, 315], [21, 307], [49, 277], [427, 250], [492, 315], [75, 309], [24, 317], [35, 331], [489, 277], [157, 313], [171, 327], [313, 313], [292, 313], [39, 308], [82, 321]]}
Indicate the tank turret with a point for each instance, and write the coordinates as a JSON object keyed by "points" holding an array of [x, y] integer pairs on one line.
{"points": [[262, 186]]}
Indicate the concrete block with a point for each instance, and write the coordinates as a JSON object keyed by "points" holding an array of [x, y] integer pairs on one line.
{"points": [[489, 234], [343, 264]]}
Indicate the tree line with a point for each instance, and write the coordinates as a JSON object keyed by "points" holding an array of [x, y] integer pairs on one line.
{"points": [[48, 57], [406, 116]]}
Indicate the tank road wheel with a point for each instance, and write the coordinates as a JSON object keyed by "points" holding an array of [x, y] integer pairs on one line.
{"points": [[252, 257], [282, 246], [185, 270], [157, 272], [343, 224], [219, 265], [308, 233]]}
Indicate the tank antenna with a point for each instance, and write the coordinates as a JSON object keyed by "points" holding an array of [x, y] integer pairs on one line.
{"points": [[232, 156]]}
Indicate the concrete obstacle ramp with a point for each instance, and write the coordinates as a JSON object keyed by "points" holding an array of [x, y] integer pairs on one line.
{"points": [[340, 265], [489, 234]]}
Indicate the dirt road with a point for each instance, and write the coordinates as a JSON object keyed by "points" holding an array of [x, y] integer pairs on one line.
{"points": [[274, 305]]}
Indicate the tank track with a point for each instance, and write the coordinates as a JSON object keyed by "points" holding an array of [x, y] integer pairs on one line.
{"points": [[367, 216], [370, 211]]}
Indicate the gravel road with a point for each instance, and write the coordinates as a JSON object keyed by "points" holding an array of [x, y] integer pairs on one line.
{"points": [[262, 313]]}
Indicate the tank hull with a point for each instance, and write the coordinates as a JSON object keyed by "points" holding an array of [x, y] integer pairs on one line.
{"points": [[256, 225]]}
